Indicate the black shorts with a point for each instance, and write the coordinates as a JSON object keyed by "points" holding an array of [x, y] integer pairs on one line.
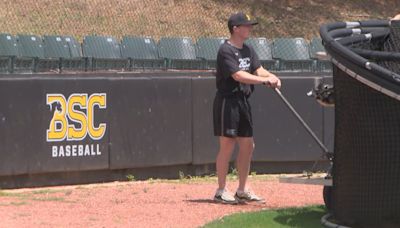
{"points": [[232, 116]]}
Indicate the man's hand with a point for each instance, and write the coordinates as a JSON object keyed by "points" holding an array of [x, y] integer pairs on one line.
{"points": [[273, 81], [263, 77]]}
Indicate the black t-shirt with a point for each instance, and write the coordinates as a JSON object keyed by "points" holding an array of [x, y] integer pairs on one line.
{"points": [[231, 60]]}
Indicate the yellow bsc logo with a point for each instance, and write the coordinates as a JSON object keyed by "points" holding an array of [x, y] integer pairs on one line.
{"points": [[70, 112], [248, 17]]}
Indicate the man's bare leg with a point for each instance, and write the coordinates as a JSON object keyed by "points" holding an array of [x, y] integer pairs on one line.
{"points": [[226, 146], [246, 147]]}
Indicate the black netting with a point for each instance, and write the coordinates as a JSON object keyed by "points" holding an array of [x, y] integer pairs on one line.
{"points": [[388, 45], [373, 45], [366, 166], [392, 44], [367, 153]]}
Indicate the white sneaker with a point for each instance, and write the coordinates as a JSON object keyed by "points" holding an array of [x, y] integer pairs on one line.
{"points": [[224, 196], [243, 196]]}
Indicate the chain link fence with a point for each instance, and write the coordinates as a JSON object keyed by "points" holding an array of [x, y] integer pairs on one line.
{"points": [[192, 18], [110, 22]]}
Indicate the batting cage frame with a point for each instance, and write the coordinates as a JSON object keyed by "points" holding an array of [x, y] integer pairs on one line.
{"points": [[366, 171]]}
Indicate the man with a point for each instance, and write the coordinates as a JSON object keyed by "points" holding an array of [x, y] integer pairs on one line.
{"points": [[238, 70]]}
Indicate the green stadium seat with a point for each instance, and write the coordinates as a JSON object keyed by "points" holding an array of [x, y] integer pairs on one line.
{"points": [[31, 55], [142, 53], [104, 53], [8, 52], [179, 52], [30, 46], [55, 47], [67, 50], [74, 47], [263, 47], [319, 65], [207, 50], [76, 61], [293, 54]]}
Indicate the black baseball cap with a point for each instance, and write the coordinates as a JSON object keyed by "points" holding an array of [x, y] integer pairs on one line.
{"points": [[240, 19]]}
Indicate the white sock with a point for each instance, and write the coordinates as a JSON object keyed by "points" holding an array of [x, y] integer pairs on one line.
{"points": [[220, 191]]}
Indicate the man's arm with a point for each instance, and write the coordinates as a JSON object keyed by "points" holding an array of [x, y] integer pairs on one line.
{"points": [[274, 80], [263, 72], [246, 78]]}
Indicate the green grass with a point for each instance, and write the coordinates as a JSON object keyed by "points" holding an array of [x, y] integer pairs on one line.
{"points": [[19, 203], [306, 217], [58, 199], [130, 177], [12, 194], [231, 176], [46, 191], [37, 195], [188, 179], [14, 203], [29, 194]]}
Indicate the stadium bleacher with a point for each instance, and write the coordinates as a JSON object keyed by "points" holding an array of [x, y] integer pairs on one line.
{"points": [[207, 50], [54, 53], [142, 53], [263, 48], [319, 65], [103, 53], [8, 52], [179, 53], [293, 54]]}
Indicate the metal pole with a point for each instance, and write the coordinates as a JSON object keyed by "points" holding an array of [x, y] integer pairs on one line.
{"points": [[323, 147]]}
